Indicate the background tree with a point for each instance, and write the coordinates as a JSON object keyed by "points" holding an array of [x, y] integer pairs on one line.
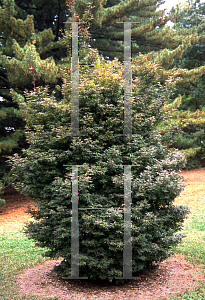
{"points": [[44, 172], [167, 46], [47, 15], [150, 34], [184, 130], [25, 61], [189, 114], [32, 55]]}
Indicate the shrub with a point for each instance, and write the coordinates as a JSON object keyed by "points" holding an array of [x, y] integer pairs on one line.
{"points": [[2, 202], [44, 171]]}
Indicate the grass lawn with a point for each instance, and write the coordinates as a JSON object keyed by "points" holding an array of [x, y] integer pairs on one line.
{"points": [[193, 246], [18, 253]]}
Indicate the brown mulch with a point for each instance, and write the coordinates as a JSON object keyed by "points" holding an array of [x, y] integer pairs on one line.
{"points": [[197, 175], [15, 203], [13, 215], [174, 275]]}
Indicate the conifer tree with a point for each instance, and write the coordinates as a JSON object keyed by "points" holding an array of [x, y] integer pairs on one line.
{"points": [[31, 55], [149, 34], [187, 112], [184, 130], [47, 14], [24, 63], [45, 170], [168, 47], [31, 52]]}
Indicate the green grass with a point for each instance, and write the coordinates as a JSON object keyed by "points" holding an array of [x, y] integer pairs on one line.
{"points": [[193, 249], [198, 222], [198, 294], [19, 253], [193, 245]]}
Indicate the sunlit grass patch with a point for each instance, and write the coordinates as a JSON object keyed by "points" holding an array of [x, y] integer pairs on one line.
{"points": [[193, 250], [13, 223], [198, 221], [17, 253], [194, 196], [193, 245], [198, 294]]}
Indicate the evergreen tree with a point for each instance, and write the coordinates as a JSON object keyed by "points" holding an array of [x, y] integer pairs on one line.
{"points": [[149, 34], [167, 45], [24, 48], [32, 54], [184, 130], [24, 63], [188, 113], [45, 170], [47, 15]]}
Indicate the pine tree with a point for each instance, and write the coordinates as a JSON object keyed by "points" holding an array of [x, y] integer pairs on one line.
{"points": [[149, 34], [163, 45], [24, 48], [32, 54], [47, 15], [187, 112], [25, 61], [184, 130], [45, 170]]}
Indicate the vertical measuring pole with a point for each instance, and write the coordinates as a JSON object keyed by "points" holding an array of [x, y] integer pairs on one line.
{"points": [[127, 251], [74, 228], [74, 82], [127, 128], [74, 225]]}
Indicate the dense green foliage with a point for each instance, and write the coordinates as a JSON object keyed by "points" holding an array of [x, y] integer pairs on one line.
{"points": [[149, 30], [2, 202], [29, 56], [187, 112], [184, 130], [44, 171], [18, 253], [107, 34], [32, 51]]}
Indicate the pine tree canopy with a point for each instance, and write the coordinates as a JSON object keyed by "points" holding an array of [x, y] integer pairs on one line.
{"points": [[148, 34], [32, 54], [187, 111], [47, 14], [29, 56]]}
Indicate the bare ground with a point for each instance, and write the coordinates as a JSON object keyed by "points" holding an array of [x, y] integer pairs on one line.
{"points": [[174, 275]]}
